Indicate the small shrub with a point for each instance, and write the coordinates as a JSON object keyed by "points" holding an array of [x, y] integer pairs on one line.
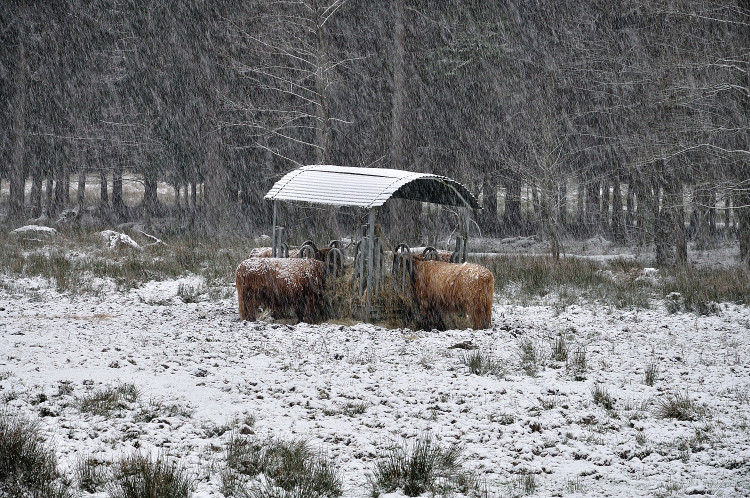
{"points": [[524, 484], [602, 397], [678, 406], [138, 476], [574, 486], [290, 465], [577, 364], [159, 409], [640, 438], [425, 466], [212, 430], [480, 363], [560, 349], [109, 400], [503, 418], [28, 467], [529, 356], [65, 388], [651, 374], [350, 409], [91, 474], [189, 293]]}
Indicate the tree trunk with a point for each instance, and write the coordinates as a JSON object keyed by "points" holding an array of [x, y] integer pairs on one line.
{"points": [[699, 218], [17, 175], [36, 194], [489, 206], [604, 212], [323, 123], [562, 202], [727, 215], [618, 227], [216, 189], [662, 227], [150, 200], [512, 219], [644, 213], [535, 202], [630, 202], [593, 221], [59, 204], [399, 88], [581, 206], [742, 210], [674, 199], [103, 194], [49, 200], [81, 193], [118, 205]]}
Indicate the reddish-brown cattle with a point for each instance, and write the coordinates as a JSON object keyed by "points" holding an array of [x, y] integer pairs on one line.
{"points": [[261, 252], [464, 288], [277, 284], [319, 254]]}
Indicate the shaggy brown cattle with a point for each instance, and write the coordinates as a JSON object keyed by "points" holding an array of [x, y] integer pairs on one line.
{"points": [[277, 284], [444, 256], [319, 254], [465, 288], [261, 252]]}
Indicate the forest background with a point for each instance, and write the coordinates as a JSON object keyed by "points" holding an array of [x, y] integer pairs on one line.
{"points": [[626, 119]]}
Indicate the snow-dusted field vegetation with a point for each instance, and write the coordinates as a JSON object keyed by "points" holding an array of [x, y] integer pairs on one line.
{"points": [[568, 394]]}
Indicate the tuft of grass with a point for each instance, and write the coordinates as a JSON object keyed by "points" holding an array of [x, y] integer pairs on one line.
{"points": [[699, 289], [651, 374], [28, 466], [680, 407], [160, 409], [91, 474], [529, 356], [602, 397], [574, 486], [577, 364], [524, 484], [560, 349], [108, 400], [287, 464], [139, 476], [350, 409], [481, 363], [190, 294], [424, 466]]}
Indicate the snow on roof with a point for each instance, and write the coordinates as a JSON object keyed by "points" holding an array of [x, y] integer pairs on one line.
{"points": [[368, 187]]}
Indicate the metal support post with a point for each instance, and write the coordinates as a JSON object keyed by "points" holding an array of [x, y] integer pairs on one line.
{"points": [[370, 257], [273, 231], [467, 220]]}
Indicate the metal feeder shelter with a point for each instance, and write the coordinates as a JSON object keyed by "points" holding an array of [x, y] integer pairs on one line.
{"points": [[368, 188]]}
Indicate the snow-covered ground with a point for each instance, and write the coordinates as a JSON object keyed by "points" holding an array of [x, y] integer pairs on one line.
{"points": [[298, 380]]}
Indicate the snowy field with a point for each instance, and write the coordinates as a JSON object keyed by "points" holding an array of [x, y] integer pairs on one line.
{"points": [[354, 391]]}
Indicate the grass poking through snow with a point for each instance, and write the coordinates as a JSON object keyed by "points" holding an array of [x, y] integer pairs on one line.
{"points": [[420, 467]]}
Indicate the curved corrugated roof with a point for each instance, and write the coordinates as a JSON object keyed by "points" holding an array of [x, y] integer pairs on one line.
{"points": [[368, 187]]}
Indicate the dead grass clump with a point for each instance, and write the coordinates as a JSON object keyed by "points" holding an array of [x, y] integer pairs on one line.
{"points": [[680, 407], [28, 466], [108, 400], [290, 465], [481, 363], [139, 476], [424, 466]]}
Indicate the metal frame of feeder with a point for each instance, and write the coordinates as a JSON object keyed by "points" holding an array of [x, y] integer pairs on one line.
{"points": [[368, 188]]}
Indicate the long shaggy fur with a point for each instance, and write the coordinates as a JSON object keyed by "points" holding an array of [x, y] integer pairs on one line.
{"points": [[320, 254], [277, 284], [465, 288]]}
